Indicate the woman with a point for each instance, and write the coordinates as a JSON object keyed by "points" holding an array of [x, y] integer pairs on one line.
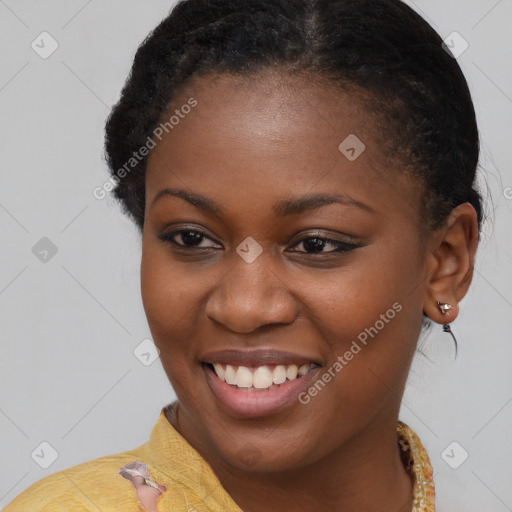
{"points": [[303, 177]]}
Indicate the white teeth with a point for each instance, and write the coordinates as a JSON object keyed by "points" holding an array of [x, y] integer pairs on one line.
{"points": [[230, 375], [291, 372], [263, 377], [303, 370], [219, 370], [244, 377], [279, 374]]}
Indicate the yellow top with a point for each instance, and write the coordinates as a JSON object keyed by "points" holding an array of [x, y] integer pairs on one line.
{"points": [[167, 474]]}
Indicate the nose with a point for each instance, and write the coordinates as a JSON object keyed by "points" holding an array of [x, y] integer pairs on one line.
{"points": [[250, 296]]}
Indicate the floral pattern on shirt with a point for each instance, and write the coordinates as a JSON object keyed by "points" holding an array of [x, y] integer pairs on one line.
{"points": [[148, 491]]}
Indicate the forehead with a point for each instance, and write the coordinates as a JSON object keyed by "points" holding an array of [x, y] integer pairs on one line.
{"points": [[272, 136]]}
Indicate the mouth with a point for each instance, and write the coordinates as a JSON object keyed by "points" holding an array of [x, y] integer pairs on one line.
{"points": [[259, 384], [259, 378]]}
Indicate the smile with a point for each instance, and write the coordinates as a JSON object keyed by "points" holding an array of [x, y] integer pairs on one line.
{"points": [[261, 378], [260, 382]]}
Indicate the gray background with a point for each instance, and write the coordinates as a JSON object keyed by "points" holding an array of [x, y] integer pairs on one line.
{"points": [[70, 323]]}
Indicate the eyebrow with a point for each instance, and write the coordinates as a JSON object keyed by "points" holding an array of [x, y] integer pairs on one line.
{"points": [[285, 208]]}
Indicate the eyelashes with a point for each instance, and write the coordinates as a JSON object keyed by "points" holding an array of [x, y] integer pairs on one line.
{"points": [[189, 236], [317, 243], [194, 240]]}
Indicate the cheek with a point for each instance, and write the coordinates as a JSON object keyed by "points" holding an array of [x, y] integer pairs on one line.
{"points": [[368, 313], [169, 287], [170, 296], [363, 294]]}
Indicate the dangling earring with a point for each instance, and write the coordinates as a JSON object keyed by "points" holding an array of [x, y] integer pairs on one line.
{"points": [[444, 308]]}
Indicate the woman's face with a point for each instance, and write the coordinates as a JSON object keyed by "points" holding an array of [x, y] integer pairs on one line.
{"points": [[266, 246]]}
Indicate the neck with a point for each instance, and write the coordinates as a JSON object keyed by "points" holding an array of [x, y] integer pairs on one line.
{"points": [[359, 476], [364, 474]]}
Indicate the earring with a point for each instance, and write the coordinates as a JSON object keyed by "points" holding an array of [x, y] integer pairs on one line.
{"points": [[444, 308]]}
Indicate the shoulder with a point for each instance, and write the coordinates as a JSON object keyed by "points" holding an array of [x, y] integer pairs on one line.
{"points": [[87, 487]]}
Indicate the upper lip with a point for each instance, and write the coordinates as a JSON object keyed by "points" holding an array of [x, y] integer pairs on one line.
{"points": [[257, 357]]}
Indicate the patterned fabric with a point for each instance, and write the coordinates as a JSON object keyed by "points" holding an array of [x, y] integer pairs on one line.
{"points": [[167, 474], [417, 464]]}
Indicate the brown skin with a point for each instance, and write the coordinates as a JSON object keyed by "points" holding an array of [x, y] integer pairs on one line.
{"points": [[246, 146]]}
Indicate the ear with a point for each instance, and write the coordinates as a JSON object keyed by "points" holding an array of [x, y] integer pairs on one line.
{"points": [[450, 260]]}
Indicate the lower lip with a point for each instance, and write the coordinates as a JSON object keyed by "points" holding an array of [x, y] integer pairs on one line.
{"points": [[256, 404]]}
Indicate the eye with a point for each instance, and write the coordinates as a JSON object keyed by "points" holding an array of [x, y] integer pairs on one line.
{"points": [[189, 239], [322, 245]]}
